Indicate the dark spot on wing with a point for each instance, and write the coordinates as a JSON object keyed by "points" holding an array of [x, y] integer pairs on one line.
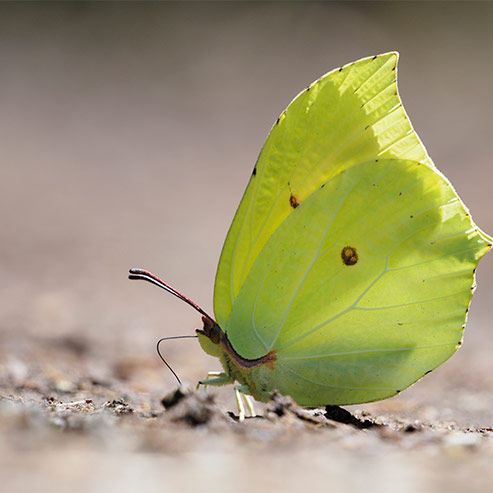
{"points": [[293, 201], [410, 217], [349, 255]]}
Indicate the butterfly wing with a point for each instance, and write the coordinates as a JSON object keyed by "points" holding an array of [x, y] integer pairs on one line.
{"points": [[350, 256], [361, 293], [348, 116]]}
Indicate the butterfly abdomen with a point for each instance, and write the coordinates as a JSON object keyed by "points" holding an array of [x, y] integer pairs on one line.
{"points": [[254, 373]]}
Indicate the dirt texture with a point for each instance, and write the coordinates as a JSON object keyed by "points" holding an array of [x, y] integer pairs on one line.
{"points": [[73, 422]]}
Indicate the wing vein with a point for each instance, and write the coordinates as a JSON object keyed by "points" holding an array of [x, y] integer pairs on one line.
{"points": [[375, 308], [362, 351], [303, 377]]}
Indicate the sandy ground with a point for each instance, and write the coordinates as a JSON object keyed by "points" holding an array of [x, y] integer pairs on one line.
{"points": [[128, 135], [73, 422]]}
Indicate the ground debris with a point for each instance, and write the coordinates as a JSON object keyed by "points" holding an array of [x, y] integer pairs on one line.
{"points": [[285, 407], [192, 407], [340, 415], [54, 399], [173, 398], [412, 427], [118, 406]]}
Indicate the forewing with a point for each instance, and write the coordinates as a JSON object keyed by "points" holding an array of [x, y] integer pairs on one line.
{"points": [[348, 116], [364, 287]]}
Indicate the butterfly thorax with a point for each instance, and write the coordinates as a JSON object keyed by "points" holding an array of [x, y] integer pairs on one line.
{"points": [[249, 372]]}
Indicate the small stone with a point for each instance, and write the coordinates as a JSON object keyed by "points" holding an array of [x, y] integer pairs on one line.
{"points": [[462, 441]]}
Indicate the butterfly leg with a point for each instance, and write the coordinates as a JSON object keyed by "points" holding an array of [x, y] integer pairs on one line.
{"points": [[216, 378], [250, 406], [242, 394], [241, 407]]}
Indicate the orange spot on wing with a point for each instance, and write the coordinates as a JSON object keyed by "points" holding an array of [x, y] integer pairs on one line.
{"points": [[293, 201], [349, 255]]}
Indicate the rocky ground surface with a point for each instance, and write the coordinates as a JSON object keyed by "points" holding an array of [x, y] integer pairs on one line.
{"points": [[71, 421]]}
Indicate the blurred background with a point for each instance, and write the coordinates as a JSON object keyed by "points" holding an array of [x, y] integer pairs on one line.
{"points": [[128, 134]]}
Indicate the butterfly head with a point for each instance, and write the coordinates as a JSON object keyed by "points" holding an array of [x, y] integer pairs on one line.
{"points": [[210, 337]]}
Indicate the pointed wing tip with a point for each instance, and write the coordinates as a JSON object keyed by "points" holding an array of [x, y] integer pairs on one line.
{"points": [[389, 54]]}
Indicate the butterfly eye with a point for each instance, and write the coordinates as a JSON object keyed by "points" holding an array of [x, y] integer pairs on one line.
{"points": [[349, 255], [215, 334], [211, 330]]}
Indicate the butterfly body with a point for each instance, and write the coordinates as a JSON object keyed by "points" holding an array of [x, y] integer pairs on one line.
{"points": [[250, 373]]}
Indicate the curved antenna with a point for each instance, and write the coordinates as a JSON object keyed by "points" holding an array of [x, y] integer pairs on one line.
{"points": [[149, 277], [161, 356]]}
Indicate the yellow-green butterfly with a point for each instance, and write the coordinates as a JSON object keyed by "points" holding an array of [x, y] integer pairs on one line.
{"points": [[348, 269]]}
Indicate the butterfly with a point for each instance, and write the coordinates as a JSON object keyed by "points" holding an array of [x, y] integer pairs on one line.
{"points": [[348, 269]]}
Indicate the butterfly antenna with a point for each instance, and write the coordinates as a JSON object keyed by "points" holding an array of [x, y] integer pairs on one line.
{"points": [[147, 276], [162, 357]]}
